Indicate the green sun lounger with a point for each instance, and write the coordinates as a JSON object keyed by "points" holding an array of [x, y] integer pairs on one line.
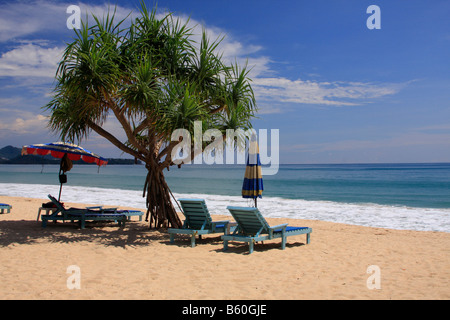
{"points": [[82, 215], [252, 227], [198, 221], [5, 208]]}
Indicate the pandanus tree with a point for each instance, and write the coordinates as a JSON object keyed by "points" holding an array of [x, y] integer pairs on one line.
{"points": [[153, 78]]}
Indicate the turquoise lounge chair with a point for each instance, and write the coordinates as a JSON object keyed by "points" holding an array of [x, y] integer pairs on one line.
{"points": [[198, 221], [131, 213], [82, 215], [252, 227], [5, 208]]}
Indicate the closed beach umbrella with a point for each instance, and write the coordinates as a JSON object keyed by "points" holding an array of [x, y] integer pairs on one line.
{"points": [[253, 182], [67, 152]]}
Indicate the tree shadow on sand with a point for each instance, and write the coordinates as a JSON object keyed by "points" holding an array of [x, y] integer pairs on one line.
{"points": [[262, 246], [185, 240], [110, 234], [233, 247], [134, 234]]}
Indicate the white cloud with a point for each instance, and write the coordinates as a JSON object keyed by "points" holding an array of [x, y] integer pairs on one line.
{"points": [[18, 19], [17, 123], [37, 58], [30, 60], [21, 19], [322, 93]]}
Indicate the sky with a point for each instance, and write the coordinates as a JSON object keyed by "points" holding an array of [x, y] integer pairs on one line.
{"points": [[337, 90]]}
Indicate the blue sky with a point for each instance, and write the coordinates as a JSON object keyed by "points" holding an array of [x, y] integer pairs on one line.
{"points": [[337, 91]]}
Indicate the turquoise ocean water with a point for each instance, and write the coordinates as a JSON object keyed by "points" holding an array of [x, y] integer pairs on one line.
{"points": [[398, 196]]}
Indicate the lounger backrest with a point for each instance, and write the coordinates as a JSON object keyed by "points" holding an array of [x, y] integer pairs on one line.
{"points": [[57, 203], [250, 220], [196, 213]]}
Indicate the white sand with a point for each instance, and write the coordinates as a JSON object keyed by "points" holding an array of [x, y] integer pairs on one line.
{"points": [[138, 263]]}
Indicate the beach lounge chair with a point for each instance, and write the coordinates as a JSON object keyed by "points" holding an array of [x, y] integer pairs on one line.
{"points": [[252, 227], [82, 215], [131, 213], [5, 208], [127, 212], [198, 221]]}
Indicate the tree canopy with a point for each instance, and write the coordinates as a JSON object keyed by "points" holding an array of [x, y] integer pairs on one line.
{"points": [[153, 78]]}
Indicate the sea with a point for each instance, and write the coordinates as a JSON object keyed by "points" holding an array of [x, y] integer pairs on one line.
{"points": [[396, 196]]}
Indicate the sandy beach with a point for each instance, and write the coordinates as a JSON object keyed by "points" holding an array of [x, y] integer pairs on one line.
{"points": [[137, 263]]}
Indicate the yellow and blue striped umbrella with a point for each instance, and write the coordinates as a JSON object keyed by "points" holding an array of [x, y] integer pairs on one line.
{"points": [[253, 182]]}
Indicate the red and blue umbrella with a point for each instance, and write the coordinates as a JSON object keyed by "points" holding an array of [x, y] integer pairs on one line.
{"points": [[67, 152], [59, 149]]}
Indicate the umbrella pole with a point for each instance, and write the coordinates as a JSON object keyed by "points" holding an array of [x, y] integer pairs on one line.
{"points": [[256, 199], [62, 178], [60, 188]]}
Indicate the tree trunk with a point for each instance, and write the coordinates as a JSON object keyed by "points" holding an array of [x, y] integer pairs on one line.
{"points": [[160, 211]]}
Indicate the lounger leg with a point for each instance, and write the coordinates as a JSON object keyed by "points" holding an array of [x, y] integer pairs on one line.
{"points": [[193, 240], [225, 245], [283, 243], [250, 246], [308, 238], [172, 238]]}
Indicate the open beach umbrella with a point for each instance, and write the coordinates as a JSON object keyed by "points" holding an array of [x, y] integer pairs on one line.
{"points": [[67, 152], [253, 182]]}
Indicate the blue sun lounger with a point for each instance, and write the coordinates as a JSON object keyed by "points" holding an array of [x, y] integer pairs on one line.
{"points": [[198, 221], [82, 215], [131, 213], [252, 227], [5, 208]]}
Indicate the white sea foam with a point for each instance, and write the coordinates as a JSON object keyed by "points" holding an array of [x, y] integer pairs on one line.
{"points": [[374, 215]]}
